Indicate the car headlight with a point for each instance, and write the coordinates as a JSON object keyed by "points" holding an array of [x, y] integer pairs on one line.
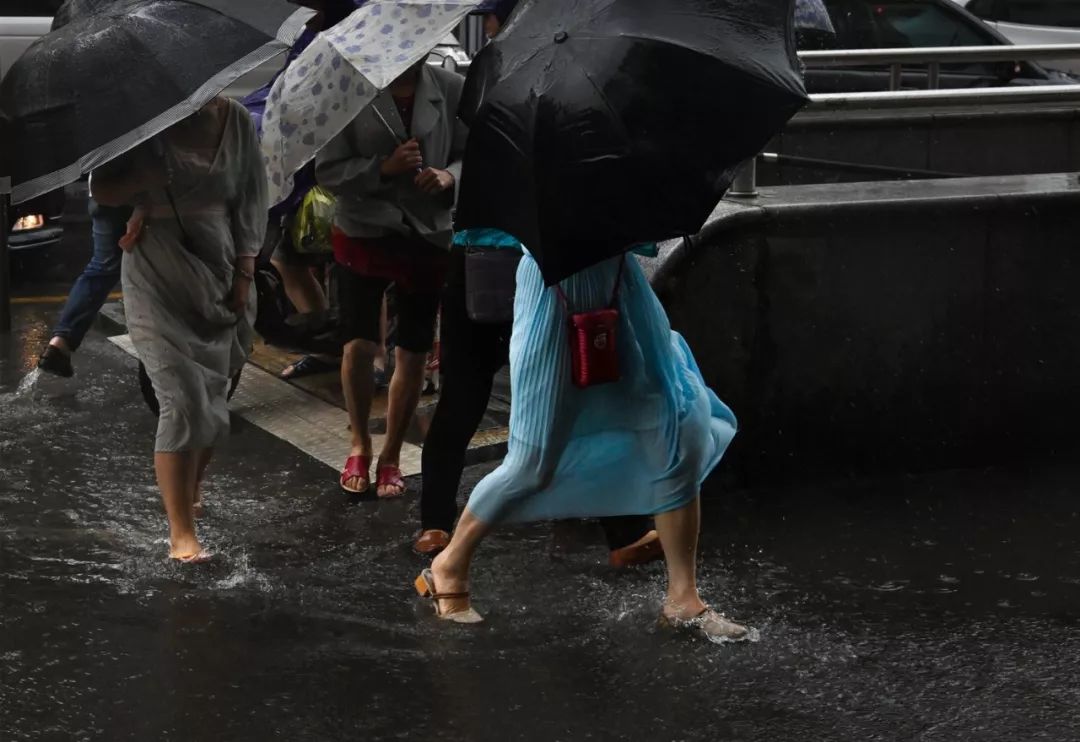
{"points": [[28, 222]]}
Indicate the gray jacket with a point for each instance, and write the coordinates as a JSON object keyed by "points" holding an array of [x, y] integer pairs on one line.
{"points": [[370, 205]]}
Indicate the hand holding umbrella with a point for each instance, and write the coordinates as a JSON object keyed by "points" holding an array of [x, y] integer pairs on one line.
{"points": [[408, 157]]}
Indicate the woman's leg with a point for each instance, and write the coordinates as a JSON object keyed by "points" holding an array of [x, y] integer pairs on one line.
{"points": [[451, 568], [359, 302], [176, 476], [202, 460], [416, 313], [683, 607], [678, 531], [358, 386]]}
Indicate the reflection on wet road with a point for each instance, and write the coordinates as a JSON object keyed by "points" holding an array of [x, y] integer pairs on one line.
{"points": [[939, 607]]}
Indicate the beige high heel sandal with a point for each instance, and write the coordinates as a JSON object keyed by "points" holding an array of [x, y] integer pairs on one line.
{"points": [[716, 627], [425, 587]]}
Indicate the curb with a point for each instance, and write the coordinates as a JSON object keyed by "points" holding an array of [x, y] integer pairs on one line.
{"points": [[111, 320]]}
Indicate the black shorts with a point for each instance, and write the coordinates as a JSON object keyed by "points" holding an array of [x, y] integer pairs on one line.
{"points": [[360, 301]]}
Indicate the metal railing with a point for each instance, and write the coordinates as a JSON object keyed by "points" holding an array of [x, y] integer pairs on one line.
{"points": [[745, 183], [935, 56], [900, 99]]}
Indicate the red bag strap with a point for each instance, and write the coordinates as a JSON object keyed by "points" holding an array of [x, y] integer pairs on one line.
{"points": [[614, 291]]}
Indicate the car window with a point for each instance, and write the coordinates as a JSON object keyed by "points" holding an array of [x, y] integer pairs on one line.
{"points": [[30, 8], [982, 8], [915, 24], [1064, 13], [880, 24], [870, 24]]}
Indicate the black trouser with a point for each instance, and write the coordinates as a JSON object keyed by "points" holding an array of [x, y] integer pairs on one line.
{"points": [[470, 355]]}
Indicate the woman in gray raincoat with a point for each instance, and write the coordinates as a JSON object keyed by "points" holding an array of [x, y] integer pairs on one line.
{"points": [[200, 219]]}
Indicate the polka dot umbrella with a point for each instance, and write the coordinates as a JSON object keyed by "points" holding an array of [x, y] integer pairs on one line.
{"points": [[341, 72]]}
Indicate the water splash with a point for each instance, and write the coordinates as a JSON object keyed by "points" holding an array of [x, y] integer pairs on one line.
{"points": [[25, 390]]}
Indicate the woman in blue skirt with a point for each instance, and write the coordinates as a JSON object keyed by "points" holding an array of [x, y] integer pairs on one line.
{"points": [[641, 445]]}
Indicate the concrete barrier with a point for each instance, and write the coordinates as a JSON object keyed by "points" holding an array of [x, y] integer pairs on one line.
{"points": [[883, 326]]}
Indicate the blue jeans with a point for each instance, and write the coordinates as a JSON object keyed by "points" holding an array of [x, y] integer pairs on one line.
{"points": [[98, 278]]}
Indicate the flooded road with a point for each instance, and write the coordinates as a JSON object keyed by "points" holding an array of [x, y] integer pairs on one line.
{"points": [[937, 607]]}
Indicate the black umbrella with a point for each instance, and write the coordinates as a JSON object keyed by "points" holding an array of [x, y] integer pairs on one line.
{"points": [[73, 9], [597, 125], [110, 79]]}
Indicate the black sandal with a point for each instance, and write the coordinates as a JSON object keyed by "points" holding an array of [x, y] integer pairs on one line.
{"points": [[56, 361], [307, 366]]}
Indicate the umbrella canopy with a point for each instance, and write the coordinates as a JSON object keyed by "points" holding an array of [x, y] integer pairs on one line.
{"points": [[106, 81], [598, 125], [255, 102], [72, 9], [812, 14], [343, 71]]}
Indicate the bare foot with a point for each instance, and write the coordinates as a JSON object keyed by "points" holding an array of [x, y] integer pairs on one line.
{"points": [[691, 614], [184, 547], [684, 608], [449, 581]]}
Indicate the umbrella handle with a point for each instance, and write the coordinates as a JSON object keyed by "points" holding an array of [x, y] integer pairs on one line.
{"points": [[393, 133]]}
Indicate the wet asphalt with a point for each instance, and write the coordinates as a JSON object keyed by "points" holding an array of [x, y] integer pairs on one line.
{"points": [[929, 607]]}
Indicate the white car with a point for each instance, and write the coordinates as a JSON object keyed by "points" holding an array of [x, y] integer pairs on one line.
{"points": [[1033, 22], [22, 22]]}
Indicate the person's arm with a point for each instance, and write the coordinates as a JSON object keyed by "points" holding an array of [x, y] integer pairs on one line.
{"points": [[250, 207], [248, 215], [461, 134], [457, 156], [445, 182]]}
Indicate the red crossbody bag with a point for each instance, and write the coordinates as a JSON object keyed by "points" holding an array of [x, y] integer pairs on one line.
{"points": [[594, 355]]}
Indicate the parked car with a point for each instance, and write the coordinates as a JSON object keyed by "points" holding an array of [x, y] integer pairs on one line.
{"points": [[1033, 22], [885, 24], [21, 23], [450, 55], [36, 223]]}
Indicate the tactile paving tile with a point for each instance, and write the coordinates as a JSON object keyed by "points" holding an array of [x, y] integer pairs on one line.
{"points": [[317, 428]]}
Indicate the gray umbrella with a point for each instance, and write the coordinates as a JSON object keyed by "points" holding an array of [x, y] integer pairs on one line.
{"points": [[117, 73]]}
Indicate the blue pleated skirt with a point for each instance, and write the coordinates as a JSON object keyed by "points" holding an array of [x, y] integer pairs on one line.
{"points": [[642, 445]]}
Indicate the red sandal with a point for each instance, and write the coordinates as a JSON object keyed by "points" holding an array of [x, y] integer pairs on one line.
{"points": [[390, 476], [359, 467]]}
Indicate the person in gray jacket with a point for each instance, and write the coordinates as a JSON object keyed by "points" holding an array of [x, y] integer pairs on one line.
{"points": [[394, 171]]}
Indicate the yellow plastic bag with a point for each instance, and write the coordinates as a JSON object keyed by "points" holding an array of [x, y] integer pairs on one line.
{"points": [[313, 222]]}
